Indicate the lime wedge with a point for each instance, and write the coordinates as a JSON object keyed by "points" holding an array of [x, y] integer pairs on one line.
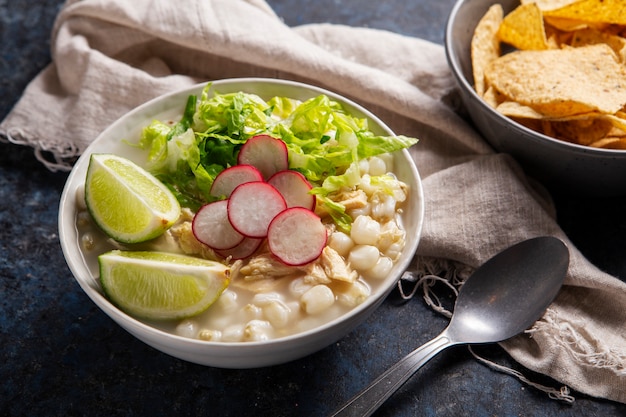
{"points": [[127, 202], [161, 286]]}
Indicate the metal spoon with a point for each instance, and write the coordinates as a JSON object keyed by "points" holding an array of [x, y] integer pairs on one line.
{"points": [[502, 298]]}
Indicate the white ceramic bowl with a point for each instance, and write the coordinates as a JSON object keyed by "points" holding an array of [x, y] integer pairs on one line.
{"points": [[220, 354], [563, 166]]}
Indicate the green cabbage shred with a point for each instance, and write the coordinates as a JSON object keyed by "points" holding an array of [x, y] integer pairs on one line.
{"points": [[324, 142]]}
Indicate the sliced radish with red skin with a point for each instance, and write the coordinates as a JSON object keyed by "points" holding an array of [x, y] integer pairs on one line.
{"points": [[296, 236], [294, 187], [252, 206], [210, 226], [227, 180], [246, 248], [268, 154]]}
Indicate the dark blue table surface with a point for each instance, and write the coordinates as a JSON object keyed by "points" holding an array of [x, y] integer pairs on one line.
{"points": [[61, 356]]}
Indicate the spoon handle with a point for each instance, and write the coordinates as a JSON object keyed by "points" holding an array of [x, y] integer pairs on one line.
{"points": [[374, 395]]}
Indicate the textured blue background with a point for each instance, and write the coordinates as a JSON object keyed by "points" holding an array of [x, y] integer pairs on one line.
{"points": [[61, 356]]}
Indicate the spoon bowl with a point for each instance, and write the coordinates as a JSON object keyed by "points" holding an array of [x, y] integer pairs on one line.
{"points": [[510, 291], [501, 299]]}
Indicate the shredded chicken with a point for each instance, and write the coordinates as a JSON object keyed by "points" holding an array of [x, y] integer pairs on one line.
{"points": [[264, 266], [349, 198], [315, 274], [188, 243], [258, 277], [336, 267], [390, 234]]}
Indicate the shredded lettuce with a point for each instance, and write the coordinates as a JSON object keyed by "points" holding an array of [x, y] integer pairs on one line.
{"points": [[324, 142]]}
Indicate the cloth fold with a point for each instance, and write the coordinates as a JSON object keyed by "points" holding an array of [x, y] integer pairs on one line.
{"points": [[111, 55]]}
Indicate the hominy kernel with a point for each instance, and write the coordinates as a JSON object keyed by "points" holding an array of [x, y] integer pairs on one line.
{"points": [[384, 209], [394, 250], [187, 328], [297, 287], [210, 335], [233, 333], [361, 211], [364, 166], [87, 241], [377, 166], [388, 159], [252, 311], [277, 313], [256, 330], [363, 257], [381, 270], [354, 294], [317, 299], [83, 219], [340, 242], [228, 301], [366, 184], [262, 299], [365, 231]]}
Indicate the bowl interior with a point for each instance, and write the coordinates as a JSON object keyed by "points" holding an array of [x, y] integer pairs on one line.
{"points": [[230, 355]]}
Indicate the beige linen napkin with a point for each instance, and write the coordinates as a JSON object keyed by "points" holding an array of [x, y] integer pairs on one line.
{"points": [[110, 56]]}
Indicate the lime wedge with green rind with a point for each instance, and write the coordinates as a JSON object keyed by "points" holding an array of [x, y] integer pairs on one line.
{"points": [[127, 202], [159, 285]]}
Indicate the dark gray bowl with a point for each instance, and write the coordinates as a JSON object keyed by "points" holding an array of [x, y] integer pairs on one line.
{"points": [[560, 165]]}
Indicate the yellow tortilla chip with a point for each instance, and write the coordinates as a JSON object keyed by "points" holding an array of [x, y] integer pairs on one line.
{"points": [[493, 97], [549, 4], [610, 143], [596, 11], [616, 121], [582, 132], [517, 110], [532, 124], [562, 82], [523, 28], [557, 38], [565, 24], [593, 36], [485, 46]]}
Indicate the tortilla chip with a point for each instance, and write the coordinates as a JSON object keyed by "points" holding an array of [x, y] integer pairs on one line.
{"points": [[493, 97], [532, 124], [616, 121], [517, 110], [485, 46], [549, 4], [610, 143], [523, 28], [556, 38], [592, 36], [595, 11], [562, 82], [565, 25], [582, 132]]}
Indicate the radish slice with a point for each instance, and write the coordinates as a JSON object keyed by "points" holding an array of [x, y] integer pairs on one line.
{"points": [[211, 226], [269, 155], [227, 180], [246, 248], [294, 187], [296, 236], [252, 206]]}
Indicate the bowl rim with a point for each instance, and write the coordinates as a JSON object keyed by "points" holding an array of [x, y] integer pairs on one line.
{"points": [[78, 265], [453, 61]]}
